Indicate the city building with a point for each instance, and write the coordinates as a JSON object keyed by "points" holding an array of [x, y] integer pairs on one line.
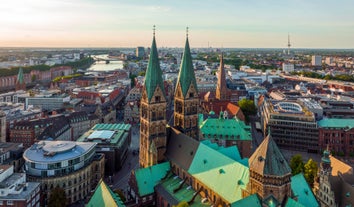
{"points": [[11, 154], [288, 67], [72, 166], [103, 195], [337, 135], [227, 132], [113, 141], [140, 52], [335, 182], [47, 102], [131, 112], [329, 61], [2, 126], [79, 122], [316, 60], [293, 126], [15, 191]]}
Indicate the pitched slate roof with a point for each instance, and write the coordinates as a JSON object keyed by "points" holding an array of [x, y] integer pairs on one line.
{"points": [[181, 149], [104, 197], [147, 178], [303, 191], [268, 160], [186, 75], [153, 76], [220, 173]]}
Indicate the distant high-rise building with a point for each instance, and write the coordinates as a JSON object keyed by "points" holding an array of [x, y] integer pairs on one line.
{"points": [[140, 52], [316, 60], [329, 60], [288, 67]]}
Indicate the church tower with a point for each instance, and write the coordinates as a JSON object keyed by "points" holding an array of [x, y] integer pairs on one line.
{"points": [[269, 173], [324, 191], [186, 99], [20, 81], [221, 89], [152, 113]]}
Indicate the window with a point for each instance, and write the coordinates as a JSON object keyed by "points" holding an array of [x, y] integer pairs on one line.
{"points": [[10, 203]]}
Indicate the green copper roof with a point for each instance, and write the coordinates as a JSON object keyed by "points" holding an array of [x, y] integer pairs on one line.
{"points": [[303, 191], [147, 178], [186, 75], [292, 203], [185, 193], [231, 152], [228, 129], [336, 123], [216, 170], [250, 201], [105, 197], [20, 78], [268, 160], [153, 76]]}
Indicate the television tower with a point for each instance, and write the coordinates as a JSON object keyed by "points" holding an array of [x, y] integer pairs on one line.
{"points": [[289, 44]]}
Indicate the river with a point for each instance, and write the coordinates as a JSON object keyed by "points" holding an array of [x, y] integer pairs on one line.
{"points": [[101, 66]]}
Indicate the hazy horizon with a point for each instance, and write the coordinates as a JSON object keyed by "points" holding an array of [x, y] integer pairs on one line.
{"points": [[219, 24]]}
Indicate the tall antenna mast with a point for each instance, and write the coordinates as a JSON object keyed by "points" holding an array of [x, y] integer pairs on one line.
{"points": [[289, 44]]}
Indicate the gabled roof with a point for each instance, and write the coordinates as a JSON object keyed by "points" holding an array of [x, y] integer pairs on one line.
{"points": [[250, 201], [147, 178], [230, 129], [220, 173], [303, 191], [181, 149], [268, 160], [153, 76], [104, 197], [186, 75]]}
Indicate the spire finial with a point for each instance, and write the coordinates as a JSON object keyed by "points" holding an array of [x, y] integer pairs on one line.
{"points": [[153, 29], [187, 28]]}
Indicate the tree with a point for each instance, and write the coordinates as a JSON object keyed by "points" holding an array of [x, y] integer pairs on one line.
{"points": [[310, 171], [141, 73], [296, 164], [248, 108], [57, 198]]}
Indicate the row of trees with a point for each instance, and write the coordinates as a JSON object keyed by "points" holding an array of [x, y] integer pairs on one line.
{"points": [[310, 74], [309, 169]]}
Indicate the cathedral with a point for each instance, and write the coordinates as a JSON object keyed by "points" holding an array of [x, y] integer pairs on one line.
{"points": [[176, 166]]}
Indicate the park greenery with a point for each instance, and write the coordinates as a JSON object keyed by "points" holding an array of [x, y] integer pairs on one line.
{"points": [[309, 169], [248, 108]]}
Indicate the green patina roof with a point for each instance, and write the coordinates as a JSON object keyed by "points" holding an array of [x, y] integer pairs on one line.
{"points": [[186, 75], [231, 152], [185, 193], [153, 76], [268, 160], [104, 196], [216, 170], [147, 178], [20, 78], [336, 123], [292, 203], [112, 127], [250, 201], [229, 129], [303, 191]]}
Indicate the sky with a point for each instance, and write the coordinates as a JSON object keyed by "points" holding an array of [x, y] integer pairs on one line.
{"points": [[213, 23]]}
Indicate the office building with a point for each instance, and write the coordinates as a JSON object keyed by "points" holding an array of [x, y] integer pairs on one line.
{"points": [[316, 60]]}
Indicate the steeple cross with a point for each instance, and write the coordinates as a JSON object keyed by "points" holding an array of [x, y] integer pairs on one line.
{"points": [[153, 29], [187, 31]]}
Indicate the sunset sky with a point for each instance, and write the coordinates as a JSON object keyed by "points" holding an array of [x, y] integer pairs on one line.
{"points": [[221, 23]]}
